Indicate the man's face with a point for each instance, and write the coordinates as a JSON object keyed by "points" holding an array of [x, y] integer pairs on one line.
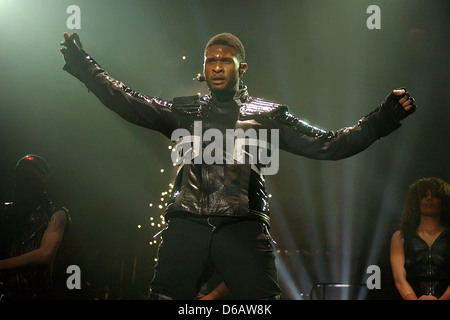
{"points": [[221, 69]]}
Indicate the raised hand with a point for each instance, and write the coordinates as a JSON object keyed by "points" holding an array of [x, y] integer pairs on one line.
{"points": [[406, 101], [400, 103], [71, 43]]}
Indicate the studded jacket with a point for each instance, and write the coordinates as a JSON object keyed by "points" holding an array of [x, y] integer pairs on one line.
{"points": [[228, 188]]}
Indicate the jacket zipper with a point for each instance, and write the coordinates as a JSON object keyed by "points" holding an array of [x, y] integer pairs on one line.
{"points": [[430, 289]]}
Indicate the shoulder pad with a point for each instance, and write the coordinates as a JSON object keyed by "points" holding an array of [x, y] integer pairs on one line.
{"points": [[256, 106]]}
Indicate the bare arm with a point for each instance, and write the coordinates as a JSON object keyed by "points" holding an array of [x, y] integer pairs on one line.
{"points": [[397, 257], [46, 253]]}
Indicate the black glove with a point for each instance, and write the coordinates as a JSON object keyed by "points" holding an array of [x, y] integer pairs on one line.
{"points": [[78, 62], [72, 45], [391, 104]]}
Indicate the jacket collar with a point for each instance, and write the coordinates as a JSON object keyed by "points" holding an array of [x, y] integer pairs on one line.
{"points": [[240, 96]]}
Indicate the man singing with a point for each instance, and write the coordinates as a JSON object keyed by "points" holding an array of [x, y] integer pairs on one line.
{"points": [[218, 214]]}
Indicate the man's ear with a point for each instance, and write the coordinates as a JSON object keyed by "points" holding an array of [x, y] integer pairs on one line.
{"points": [[242, 69]]}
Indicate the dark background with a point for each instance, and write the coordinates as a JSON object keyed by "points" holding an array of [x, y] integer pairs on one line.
{"points": [[331, 220]]}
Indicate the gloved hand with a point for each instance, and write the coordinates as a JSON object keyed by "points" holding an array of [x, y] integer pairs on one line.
{"points": [[78, 62], [400, 104], [72, 45]]}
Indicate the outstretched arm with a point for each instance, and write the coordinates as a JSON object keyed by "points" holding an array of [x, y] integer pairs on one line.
{"points": [[46, 253], [300, 138], [150, 112]]}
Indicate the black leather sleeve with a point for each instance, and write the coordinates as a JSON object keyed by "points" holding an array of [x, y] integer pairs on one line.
{"points": [[149, 112], [299, 137]]}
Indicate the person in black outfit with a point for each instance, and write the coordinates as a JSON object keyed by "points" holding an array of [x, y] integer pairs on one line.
{"points": [[420, 248], [218, 215], [32, 228]]}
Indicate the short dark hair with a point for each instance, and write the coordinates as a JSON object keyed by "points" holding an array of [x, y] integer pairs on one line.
{"points": [[230, 40]]}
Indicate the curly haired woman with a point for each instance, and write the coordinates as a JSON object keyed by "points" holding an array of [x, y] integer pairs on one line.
{"points": [[420, 248]]}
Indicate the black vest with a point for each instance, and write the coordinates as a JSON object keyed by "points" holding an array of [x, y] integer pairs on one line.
{"points": [[20, 237], [428, 268]]}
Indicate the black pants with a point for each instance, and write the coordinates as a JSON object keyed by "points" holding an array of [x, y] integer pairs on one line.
{"points": [[240, 250]]}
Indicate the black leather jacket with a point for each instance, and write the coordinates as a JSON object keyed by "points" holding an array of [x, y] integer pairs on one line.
{"points": [[236, 190], [428, 268]]}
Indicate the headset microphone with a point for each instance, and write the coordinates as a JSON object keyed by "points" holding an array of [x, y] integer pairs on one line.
{"points": [[199, 77]]}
